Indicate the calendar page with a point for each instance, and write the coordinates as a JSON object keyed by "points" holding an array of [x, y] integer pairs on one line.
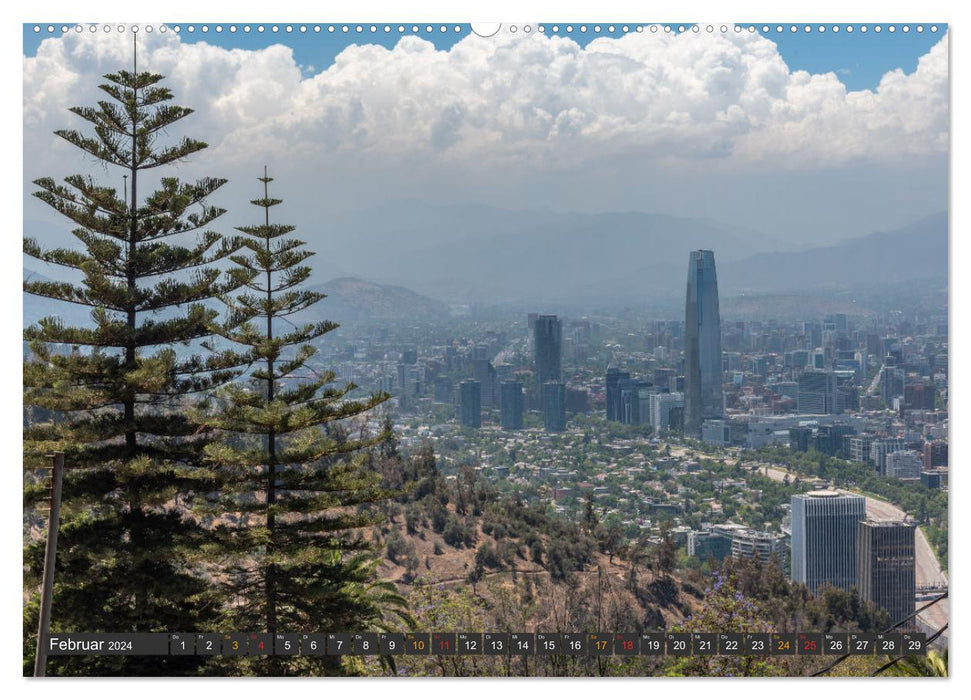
{"points": [[528, 349]]}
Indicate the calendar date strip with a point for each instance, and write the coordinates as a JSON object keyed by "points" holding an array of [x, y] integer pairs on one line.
{"points": [[659, 643]]}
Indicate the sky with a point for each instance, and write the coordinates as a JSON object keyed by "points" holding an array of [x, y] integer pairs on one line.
{"points": [[807, 137], [859, 58]]}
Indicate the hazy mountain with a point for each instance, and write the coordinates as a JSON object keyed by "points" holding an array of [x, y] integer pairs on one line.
{"points": [[352, 299], [489, 255], [912, 255], [348, 299], [494, 256]]}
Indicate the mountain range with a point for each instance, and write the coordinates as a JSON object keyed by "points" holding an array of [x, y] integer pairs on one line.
{"points": [[416, 260]]}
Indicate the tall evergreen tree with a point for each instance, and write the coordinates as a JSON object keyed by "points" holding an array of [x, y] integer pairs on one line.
{"points": [[295, 485], [115, 389]]}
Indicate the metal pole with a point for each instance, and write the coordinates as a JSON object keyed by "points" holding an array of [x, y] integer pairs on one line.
{"points": [[50, 554]]}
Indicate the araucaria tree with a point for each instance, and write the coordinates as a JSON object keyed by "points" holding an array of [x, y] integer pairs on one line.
{"points": [[295, 488], [113, 391]]}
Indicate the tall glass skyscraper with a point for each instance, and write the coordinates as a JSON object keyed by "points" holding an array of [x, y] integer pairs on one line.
{"points": [[703, 396], [548, 349], [511, 405], [824, 538], [554, 406], [886, 571], [470, 396]]}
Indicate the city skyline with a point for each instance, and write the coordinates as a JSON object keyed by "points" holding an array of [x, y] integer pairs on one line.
{"points": [[482, 370]]}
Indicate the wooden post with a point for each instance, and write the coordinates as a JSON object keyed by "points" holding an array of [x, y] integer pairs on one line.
{"points": [[50, 555]]}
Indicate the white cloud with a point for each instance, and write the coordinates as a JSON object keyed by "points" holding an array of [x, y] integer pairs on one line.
{"points": [[513, 99]]}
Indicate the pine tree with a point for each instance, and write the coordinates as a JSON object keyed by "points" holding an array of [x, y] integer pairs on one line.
{"points": [[296, 487], [115, 389]]}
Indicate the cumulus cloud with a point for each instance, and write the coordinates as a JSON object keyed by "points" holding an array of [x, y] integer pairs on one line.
{"points": [[534, 98]]}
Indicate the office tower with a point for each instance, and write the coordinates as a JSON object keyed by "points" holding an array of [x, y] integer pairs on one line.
{"points": [[759, 366], [919, 396], [554, 406], [548, 333], [664, 410], [886, 570], [470, 393], [824, 538], [443, 390], [859, 447], [847, 394], [830, 439], [818, 359], [904, 464], [891, 384], [484, 373], [662, 376], [702, 346], [505, 372], [879, 449], [935, 454], [934, 478], [800, 439], [798, 360], [817, 392], [614, 379], [634, 396], [511, 405], [409, 356], [813, 333]]}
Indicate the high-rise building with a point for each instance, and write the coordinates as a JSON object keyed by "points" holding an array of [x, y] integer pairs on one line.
{"points": [[634, 401], [614, 379], [548, 334], [800, 438], [904, 464], [919, 396], [817, 392], [443, 390], [859, 447], [470, 393], [511, 405], [935, 454], [824, 538], [702, 348], [891, 384], [879, 449], [484, 373], [830, 439], [663, 409], [886, 570], [554, 406]]}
